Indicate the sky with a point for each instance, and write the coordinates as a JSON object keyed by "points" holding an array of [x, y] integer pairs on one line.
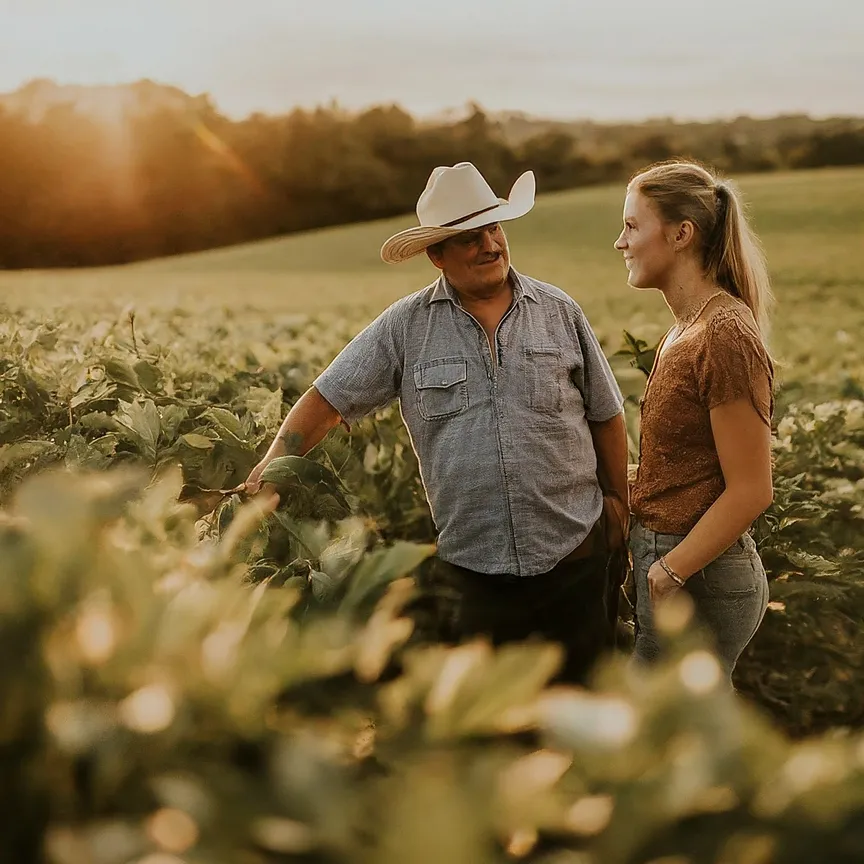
{"points": [[603, 60]]}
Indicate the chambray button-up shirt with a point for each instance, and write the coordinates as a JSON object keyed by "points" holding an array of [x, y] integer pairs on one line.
{"points": [[505, 451]]}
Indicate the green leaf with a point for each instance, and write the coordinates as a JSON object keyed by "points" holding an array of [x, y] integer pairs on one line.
{"points": [[324, 586], [142, 421], [641, 356], [266, 407], [94, 391], [172, 418], [199, 442], [290, 474], [225, 421], [496, 685], [341, 555], [149, 375], [107, 444], [81, 454], [383, 566], [120, 372], [813, 564], [18, 454], [98, 421]]}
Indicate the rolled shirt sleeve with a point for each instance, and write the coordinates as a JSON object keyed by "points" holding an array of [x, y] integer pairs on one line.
{"points": [[367, 374], [603, 399]]}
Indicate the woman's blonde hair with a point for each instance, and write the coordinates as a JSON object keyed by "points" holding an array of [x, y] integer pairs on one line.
{"points": [[730, 250]]}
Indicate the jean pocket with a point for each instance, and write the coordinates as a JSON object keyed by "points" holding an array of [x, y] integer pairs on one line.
{"points": [[744, 547], [441, 387], [729, 575], [544, 367], [640, 542]]}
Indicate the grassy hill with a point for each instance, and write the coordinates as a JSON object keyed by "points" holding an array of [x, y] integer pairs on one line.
{"points": [[812, 225]]}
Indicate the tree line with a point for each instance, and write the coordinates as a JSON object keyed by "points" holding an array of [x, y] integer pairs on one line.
{"points": [[83, 188]]}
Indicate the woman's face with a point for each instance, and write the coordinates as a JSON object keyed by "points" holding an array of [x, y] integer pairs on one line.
{"points": [[645, 243]]}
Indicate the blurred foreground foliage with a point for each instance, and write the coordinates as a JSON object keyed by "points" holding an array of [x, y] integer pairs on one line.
{"points": [[158, 707]]}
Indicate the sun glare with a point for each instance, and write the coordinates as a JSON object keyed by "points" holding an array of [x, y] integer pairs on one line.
{"points": [[111, 106]]}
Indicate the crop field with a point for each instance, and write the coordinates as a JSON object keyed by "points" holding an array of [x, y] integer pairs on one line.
{"points": [[197, 681]]}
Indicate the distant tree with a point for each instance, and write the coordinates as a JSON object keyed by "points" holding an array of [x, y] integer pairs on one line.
{"points": [[845, 147], [170, 174], [653, 148]]}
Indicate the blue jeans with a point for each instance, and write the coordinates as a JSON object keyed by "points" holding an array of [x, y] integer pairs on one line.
{"points": [[730, 595]]}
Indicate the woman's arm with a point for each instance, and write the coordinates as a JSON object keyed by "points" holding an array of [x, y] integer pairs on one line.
{"points": [[743, 442]]}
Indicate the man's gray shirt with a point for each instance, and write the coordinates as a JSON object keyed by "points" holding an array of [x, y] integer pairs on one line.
{"points": [[505, 452]]}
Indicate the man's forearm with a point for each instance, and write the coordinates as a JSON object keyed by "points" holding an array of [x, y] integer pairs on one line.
{"points": [[311, 418], [610, 445]]}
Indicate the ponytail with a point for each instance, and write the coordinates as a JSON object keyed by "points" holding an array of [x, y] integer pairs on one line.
{"points": [[735, 257]]}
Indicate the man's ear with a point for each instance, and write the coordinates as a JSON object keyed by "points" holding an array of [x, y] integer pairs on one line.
{"points": [[433, 253]]}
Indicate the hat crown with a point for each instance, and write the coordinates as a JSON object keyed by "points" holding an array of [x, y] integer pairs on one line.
{"points": [[454, 193]]}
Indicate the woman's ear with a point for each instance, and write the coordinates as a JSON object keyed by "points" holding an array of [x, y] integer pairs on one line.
{"points": [[684, 235]]}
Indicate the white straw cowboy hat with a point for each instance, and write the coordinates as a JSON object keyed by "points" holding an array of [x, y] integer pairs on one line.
{"points": [[457, 199]]}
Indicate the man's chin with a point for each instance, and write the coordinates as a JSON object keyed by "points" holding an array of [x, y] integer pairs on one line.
{"points": [[491, 275]]}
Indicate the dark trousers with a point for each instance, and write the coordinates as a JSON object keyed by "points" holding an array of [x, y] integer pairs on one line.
{"points": [[574, 604]]}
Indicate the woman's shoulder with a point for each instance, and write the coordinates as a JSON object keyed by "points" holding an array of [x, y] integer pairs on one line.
{"points": [[732, 340], [729, 312], [733, 324]]}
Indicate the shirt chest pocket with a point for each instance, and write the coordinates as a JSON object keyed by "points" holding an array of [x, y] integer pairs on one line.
{"points": [[544, 369], [441, 387]]}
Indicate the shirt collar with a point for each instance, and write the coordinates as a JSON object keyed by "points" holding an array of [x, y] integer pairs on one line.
{"points": [[444, 291]]}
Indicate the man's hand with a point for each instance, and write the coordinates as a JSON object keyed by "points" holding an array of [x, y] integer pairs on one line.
{"points": [[661, 585], [617, 518], [253, 483], [610, 445]]}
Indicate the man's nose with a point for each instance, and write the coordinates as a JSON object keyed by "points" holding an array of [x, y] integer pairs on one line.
{"points": [[620, 242], [490, 245]]}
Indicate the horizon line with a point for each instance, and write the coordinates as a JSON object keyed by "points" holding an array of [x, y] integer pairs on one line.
{"points": [[441, 114]]}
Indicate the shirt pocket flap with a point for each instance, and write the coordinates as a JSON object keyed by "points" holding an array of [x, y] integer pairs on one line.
{"points": [[440, 374]]}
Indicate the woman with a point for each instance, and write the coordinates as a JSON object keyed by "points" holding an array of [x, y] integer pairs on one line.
{"points": [[705, 443]]}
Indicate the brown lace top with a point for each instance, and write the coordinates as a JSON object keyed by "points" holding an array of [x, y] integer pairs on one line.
{"points": [[717, 359]]}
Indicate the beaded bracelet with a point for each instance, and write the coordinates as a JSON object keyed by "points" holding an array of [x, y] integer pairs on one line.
{"points": [[670, 572]]}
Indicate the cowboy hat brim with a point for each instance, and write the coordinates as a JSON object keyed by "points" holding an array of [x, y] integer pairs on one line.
{"points": [[406, 244]]}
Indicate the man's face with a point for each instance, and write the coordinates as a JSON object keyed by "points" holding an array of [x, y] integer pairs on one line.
{"points": [[477, 262]]}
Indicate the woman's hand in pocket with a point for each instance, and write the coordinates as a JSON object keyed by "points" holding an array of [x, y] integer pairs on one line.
{"points": [[661, 585]]}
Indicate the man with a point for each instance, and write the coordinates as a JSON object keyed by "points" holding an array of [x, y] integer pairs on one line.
{"points": [[514, 414]]}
